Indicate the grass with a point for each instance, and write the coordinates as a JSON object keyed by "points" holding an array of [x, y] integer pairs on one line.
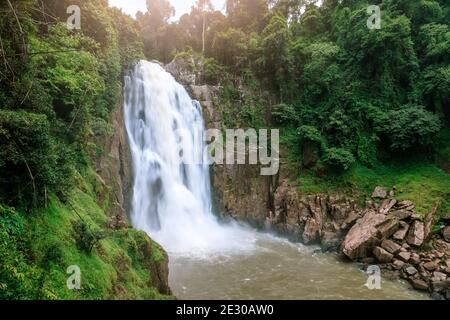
{"points": [[422, 182]]}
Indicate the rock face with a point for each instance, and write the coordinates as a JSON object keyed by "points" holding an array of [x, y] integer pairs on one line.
{"points": [[113, 165], [181, 69], [416, 234]]}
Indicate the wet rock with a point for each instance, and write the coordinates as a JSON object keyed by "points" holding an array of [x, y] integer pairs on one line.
{"points": [[404, 256], [311, 232], [382, 255], [419, 284], [437, 296], [368, 260], [401, 233], [363, 236], [386, 206], [440, 286], [416, 234], [391, 246], [379, 193], [330, 241]]}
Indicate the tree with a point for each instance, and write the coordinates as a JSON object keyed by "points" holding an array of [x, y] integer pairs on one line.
{"points": [[203, 6]]}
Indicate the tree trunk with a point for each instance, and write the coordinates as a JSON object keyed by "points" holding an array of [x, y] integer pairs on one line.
{"points": [[204, 33]]}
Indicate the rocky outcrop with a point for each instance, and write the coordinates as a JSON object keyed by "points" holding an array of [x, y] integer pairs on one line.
{"points": [[113, 165], [398, 239]]}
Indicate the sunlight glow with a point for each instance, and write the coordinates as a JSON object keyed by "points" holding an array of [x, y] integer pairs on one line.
{"points": [[181, 6]]}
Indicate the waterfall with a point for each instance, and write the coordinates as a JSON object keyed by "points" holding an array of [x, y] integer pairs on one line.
{"points": [[171, 199]]}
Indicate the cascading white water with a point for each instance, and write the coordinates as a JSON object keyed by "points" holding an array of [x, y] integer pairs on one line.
{"points": [[171, 200]]}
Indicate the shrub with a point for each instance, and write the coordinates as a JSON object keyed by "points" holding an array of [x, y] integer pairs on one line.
{"points": [[85, 237], [408, 128], [339, 159], [17, 276]]}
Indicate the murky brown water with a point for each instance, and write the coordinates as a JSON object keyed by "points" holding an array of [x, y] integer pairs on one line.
{"points": [[275, 269]]}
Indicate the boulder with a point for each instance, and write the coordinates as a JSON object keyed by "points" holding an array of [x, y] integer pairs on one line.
{"points": [[401, 233], [404, 256], [447, 263], [398, 264], [415, 259], [430, 266], [386, 205], [401, 214], [382, 255], [416, 234], [379, 193], [388, 227], [363, 236], [419, 284], [439, 276], [410, 270], [391, 246]]}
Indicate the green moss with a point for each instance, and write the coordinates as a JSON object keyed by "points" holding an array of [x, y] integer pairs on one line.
{"points": [[118, 268]]}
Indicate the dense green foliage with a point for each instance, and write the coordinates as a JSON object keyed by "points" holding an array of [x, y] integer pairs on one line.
{"points": [[356, 108], [369, 94], [57, 90]]}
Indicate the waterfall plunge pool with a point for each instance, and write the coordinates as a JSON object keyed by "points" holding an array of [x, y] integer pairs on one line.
{"points": [[271, 268]]}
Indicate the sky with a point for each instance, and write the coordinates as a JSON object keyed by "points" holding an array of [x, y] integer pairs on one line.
{"points": [[181, 6]]}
